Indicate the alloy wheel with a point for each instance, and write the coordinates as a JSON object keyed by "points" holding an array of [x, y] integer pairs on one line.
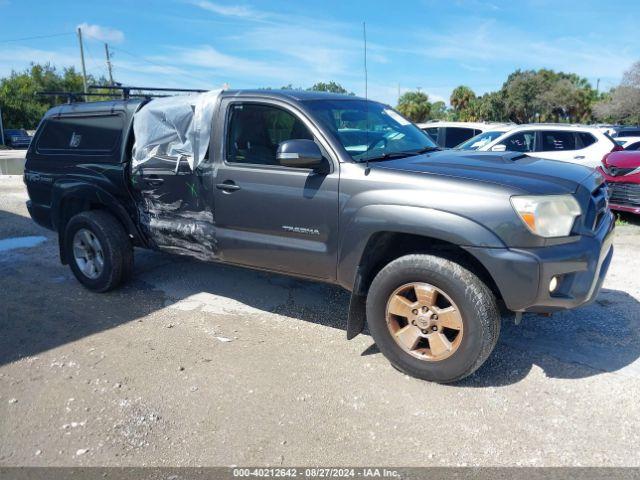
{"points": [[424, 321]]}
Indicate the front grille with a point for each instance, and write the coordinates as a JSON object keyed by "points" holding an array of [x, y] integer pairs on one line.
{"points": [[618, 171], [624, 193]]}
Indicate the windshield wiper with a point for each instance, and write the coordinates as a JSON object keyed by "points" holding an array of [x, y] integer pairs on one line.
{"points": [[426, 150], [386, 156], [390, 155]]}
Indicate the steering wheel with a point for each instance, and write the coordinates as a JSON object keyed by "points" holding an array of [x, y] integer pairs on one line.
{"points": [[373, 144]]}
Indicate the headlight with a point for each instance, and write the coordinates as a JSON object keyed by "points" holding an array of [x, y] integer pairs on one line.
{"points": [[547, 215]]}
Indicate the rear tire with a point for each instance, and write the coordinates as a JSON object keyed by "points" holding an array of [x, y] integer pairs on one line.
{"points": [[432, 318], [98, 249]]}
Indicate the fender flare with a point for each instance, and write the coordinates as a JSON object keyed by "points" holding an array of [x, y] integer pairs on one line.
{"points": [[73, 189], [374, 219]]}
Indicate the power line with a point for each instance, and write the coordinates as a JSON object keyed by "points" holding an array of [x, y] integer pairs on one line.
{"points": [[157, 64], [36, 37]]}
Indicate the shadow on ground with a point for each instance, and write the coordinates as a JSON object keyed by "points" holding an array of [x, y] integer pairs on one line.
{"points": [[42, 307]]}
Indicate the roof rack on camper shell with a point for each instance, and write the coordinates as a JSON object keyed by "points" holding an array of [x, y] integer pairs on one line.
{"points": [[125, 92]]}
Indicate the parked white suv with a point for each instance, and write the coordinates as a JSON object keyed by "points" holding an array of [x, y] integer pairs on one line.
{"points": [[568, 143], [451, 134]]}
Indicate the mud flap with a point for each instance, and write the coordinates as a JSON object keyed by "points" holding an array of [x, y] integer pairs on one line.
{"points": [[63, 256], [357, 315]]}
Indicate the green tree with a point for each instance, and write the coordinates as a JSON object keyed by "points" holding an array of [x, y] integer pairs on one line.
{"points": [[521, 92], [332, 87], [21, 107], [439, 111], [415, 106], [490, 107], [622, 104], [461, 99], [545, 95]]}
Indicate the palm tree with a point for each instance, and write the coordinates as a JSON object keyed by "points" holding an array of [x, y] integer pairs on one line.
{"points": [[461, 97]]}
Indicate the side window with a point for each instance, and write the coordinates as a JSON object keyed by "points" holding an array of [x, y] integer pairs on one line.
{"points": [[433, 133], [628, 133], [634, 146], [586, 139], [554, 141], [82, 135], [520, 142], [255, 131], [456, 135]]}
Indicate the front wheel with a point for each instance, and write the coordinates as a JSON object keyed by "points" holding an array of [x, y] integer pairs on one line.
{"points": [[432, 318]]}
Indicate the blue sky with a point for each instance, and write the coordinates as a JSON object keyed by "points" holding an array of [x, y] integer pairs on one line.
{"points": [[431, 44]]}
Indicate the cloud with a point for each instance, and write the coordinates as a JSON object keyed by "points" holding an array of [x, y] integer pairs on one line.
{"points": [[494, 44], [209, 58], [239, 11], [104, 34]]}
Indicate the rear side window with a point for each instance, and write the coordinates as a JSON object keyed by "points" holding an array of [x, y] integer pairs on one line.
{"points": [[633, 146], [455, 136], [586, 139], [553, 141], [81, 135]]}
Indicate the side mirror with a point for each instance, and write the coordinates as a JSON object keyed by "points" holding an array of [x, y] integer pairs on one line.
{"points": [[499, 148], [299, 154]]}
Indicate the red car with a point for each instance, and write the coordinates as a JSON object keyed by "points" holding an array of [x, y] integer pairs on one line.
{"points": [[622, 172]]}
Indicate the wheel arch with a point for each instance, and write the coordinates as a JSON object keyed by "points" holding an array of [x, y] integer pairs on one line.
{"points": [[71, 198], [366, 248]]}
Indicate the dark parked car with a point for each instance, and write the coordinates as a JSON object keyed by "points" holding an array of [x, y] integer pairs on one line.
{"points": [[631, 131], [16, 138], [428, 242]]}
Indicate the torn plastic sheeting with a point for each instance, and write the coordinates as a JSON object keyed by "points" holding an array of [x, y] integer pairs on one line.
{"points": [[177, 127]]}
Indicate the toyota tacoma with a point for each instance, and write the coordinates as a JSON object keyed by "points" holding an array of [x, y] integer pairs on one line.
{"points": [[431, 244]]}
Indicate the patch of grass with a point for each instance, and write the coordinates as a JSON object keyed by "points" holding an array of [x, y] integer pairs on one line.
{"points": [[621, 221], [627, 219]]}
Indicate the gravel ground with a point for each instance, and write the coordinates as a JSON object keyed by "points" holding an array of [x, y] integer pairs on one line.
{"points": [[197, 364]]}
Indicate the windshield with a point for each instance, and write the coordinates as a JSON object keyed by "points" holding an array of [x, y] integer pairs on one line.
{"points": [[369, 130], [479, 141]]}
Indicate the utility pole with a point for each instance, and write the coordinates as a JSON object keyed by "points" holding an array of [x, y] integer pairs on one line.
{"points": [[1, 128], [84, 70], [109, 66], [598, 87]]}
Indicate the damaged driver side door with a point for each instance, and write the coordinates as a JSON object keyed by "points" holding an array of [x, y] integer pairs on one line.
{"points": [[175, 205]]}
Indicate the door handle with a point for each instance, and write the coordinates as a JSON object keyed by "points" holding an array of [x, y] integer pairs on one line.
{"points": [[154, 180], [228, 186], [579, 157]]}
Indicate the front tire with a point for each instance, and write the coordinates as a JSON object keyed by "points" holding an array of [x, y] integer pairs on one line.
{"points": [[432, 318], [98, 249]]}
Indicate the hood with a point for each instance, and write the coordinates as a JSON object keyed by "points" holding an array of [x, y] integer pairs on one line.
{"points": [[623, 159], [529, 174], [621, 164]]}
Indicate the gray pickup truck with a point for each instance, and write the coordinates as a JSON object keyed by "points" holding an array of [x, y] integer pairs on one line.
{"points": [[430, 243]]}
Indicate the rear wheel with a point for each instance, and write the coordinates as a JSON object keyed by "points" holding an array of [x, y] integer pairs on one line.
{"points": [[432, 318], [98, 250]]}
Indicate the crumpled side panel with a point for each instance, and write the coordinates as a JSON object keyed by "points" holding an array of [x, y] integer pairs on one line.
{"points": [[174, 126], [175, 228]]}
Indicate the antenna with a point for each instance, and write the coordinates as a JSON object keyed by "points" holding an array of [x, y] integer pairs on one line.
{"points": [[366, 91], [366, 83]]}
